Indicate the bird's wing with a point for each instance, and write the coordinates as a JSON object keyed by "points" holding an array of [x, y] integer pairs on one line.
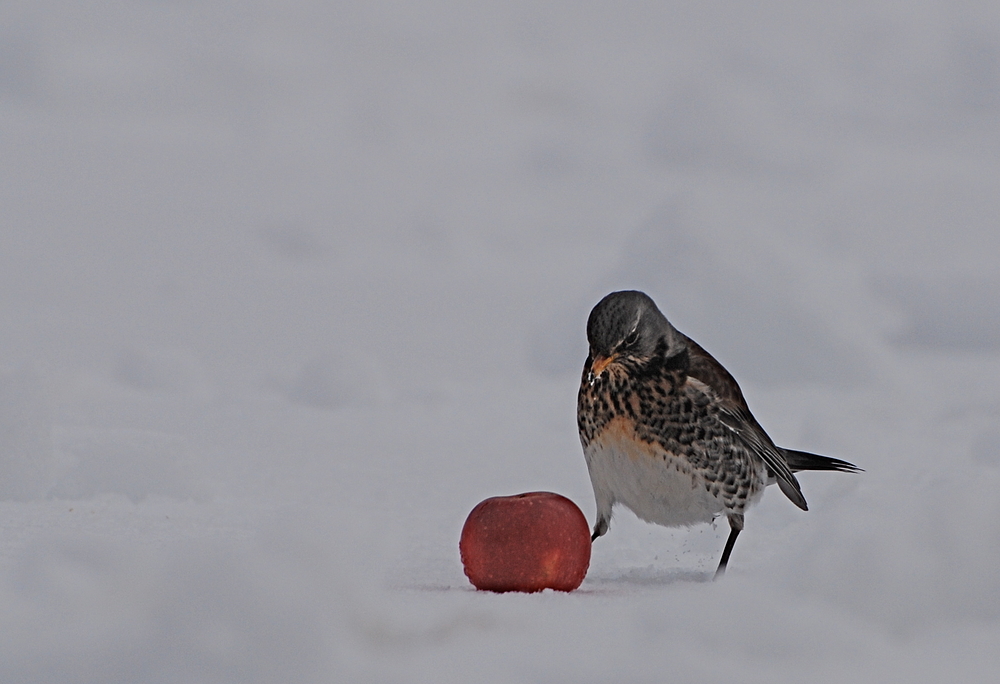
{"points": [[704, 367], [738, 419], [744, 426]]}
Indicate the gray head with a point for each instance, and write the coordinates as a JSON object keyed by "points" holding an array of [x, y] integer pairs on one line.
{"points": [[627, 323]]}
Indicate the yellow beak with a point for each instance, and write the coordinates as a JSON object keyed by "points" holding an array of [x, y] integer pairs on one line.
{"points": [[600, 363]]}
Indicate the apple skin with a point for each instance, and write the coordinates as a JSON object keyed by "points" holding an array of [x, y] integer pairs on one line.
{"points": [[526, 542]]}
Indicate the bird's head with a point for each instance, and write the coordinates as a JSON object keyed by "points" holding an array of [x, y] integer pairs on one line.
{"points": [[627, 324]]}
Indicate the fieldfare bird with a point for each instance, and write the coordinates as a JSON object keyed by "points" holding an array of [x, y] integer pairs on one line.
{"points": [[665, 428]]}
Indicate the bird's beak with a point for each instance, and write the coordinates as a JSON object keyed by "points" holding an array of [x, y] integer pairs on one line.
{"points": [[600, 363]]}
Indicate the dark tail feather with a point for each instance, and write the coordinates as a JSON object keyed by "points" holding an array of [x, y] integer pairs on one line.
{"points": [[803, 460]]}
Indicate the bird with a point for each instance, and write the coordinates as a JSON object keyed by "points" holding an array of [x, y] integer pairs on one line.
{"points": [[666, 430]]}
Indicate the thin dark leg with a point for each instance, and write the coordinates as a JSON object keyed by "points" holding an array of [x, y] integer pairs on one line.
{"points": [[735, 527], [600, 527], [730, 543]]}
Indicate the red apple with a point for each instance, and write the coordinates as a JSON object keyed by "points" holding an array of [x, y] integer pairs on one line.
{"points": [[526, 542]]}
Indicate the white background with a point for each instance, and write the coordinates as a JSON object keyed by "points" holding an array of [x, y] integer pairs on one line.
{"points": [[286, 288]]}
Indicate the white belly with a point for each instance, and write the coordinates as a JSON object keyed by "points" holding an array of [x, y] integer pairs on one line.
{"points": [[667, 492]]}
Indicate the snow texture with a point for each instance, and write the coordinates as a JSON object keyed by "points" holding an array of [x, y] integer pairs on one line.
{"points": [[286, 288]]}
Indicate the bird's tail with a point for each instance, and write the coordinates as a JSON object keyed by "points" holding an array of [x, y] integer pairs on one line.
{"points": [[803, 460]]}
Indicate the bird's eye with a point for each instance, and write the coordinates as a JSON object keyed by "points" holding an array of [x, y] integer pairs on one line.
{"points": [[632, 338]]}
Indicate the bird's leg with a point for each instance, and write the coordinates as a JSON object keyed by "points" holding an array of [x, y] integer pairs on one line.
{"points": [[735, 526], [600, 527]]}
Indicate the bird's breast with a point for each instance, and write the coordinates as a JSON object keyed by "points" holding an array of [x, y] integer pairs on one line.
{"points": [[657, 485]]}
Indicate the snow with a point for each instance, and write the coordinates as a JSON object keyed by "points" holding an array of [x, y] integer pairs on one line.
{"points": [[287, 288]]}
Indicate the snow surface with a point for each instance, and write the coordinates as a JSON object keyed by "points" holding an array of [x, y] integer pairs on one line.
{"points": [[288, 287]]}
